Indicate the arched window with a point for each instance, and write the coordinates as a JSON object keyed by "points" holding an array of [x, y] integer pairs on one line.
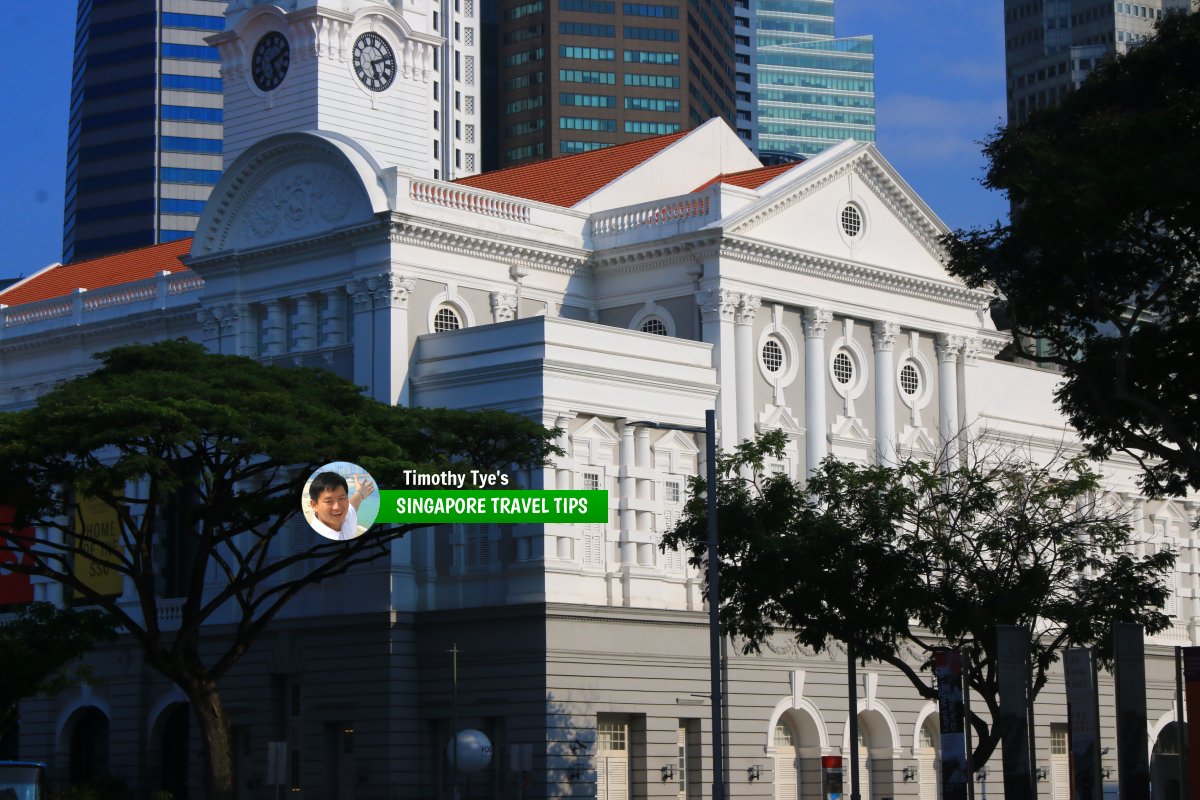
{"points": [[446, 318]]}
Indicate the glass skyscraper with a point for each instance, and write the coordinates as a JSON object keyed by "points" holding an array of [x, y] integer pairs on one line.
{"points": [[800, 88], [144, 143]]}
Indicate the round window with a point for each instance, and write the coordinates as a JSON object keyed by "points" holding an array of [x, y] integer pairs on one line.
{"points": [[843, 368], [446, 319], [772, 356], [910, 380], [654, 325], [852, 222]]}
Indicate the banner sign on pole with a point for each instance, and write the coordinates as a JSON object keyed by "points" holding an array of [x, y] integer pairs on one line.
{"points": [[1012, 662], [1133, 742], [1085, 722], [948, 672], [1191, 677]]}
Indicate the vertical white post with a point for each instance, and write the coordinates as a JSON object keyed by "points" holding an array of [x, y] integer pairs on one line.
{"points": [[816, 322], [948, 348], [884, 337], [306, 323], [743, 340], [717, 307]]}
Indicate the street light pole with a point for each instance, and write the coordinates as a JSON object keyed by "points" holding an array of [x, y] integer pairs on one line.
{"points": [[714, 604], [714, 595]]}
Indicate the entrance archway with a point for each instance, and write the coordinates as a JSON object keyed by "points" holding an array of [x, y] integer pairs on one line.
{"points": [[796, 746], [88, 745], [1164, 765], [174, 752]]}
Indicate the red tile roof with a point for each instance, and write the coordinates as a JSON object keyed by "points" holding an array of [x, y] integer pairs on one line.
{"points": [[97, 273], [750, 178], [568, 180]]}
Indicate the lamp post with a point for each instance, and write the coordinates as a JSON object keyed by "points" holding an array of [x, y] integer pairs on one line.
{"points": [[714, 596]]}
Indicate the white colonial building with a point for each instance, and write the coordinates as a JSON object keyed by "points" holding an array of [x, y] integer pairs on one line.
{"points": [[644, 283]]}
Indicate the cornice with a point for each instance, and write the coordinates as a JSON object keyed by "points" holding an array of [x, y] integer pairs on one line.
{"points": [[591, 373], [511, 250], [805, 263], [282, 254], [657, 253], [13, 343], [876, 177]]}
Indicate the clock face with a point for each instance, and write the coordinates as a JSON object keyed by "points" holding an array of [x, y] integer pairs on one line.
{"points": [[374, 62], [270, 63]]}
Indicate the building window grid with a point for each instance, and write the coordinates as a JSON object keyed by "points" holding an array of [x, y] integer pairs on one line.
{"points": [[611, 736], [910, 379], [655, 326], [772, 356], [843, 367], [446, 319], [851, 221]]}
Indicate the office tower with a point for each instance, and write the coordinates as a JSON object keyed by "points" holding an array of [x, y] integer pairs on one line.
{"points": [[580, 75], [1050, 46], [800, 89], [144, 143]]}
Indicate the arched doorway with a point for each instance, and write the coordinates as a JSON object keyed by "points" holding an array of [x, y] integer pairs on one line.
{"points": [[1164, 765], [89, 745], [928, 767], [875, 754], [174, 752], [796, 750]]}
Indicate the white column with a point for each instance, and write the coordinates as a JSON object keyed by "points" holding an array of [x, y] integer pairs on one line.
{"points": [[364, 334], [645, 492], [743, 345], [245, 325], [306, 323], [968, 410], [333, 319], [948, 349], [389, 336], [628, 491], [275, 333], [717, 308], [816, 322], [884, 336]]}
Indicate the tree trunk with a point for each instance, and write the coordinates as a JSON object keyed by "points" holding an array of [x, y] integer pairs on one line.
{"points": [[214, 729]]}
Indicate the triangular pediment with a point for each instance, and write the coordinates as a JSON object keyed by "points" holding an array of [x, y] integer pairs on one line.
{"points": [[803, 209], [849, 429], [779, 418], [916, 440], [676, 440], [595, 429]]}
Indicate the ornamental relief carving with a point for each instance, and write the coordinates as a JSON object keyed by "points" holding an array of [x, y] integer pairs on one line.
{"points": [[295, 199]]}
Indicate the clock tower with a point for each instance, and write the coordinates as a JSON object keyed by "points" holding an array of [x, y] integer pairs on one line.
{"points": [[371, 70]]}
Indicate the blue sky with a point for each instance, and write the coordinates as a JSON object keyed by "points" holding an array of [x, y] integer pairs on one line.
{"points": [[939, 67]]}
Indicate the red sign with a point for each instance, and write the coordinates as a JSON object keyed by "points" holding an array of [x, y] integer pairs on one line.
{"points": [[15, 588], [831, 762]]}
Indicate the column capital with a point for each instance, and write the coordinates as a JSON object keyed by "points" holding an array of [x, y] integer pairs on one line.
{"points": [[360, 295], [718, 304], [971, 349], [210, 321], [884, 333], [747, 307], [504, 306], [816, 322], [390, 290], [949, 346]]}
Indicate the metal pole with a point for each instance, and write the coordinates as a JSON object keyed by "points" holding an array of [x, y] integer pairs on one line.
{"points": [[852, 680], [1180, 726], [454, 724], [714, 602]]}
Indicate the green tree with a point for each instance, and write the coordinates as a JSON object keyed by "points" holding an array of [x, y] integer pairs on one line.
{"points": [[222, 447], [40, 648], [1100, 258], [898, 561]]}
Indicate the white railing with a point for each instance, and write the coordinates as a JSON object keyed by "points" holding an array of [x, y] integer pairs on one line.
{"points": [[457, 197], [170, 612], [74, 308], [659, 212]]}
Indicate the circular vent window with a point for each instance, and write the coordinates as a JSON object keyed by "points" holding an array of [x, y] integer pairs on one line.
{"points": [[910, 380], [852, 222], [843, 368], [772, 356]]}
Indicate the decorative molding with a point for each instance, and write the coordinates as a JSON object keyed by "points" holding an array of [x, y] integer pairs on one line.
{"points": [[390, 291], [718, 304], [883, 335], [465, 241], [949, 346], [816, 322], [804, 263], [746, 309], [504, 306]]}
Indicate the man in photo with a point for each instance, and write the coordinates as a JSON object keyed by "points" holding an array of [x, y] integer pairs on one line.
{"points": [[335, 511]]}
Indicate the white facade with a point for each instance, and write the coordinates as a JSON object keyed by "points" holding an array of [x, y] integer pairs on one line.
{"points": [[815, 302]]}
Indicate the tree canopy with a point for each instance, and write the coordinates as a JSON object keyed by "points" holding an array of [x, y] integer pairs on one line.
{"points": [[40, 648], [1101, 258], [200, 460], [900, 561]]}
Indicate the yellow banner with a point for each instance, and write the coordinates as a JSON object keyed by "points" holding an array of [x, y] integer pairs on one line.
{"points": [[96, 525]]}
